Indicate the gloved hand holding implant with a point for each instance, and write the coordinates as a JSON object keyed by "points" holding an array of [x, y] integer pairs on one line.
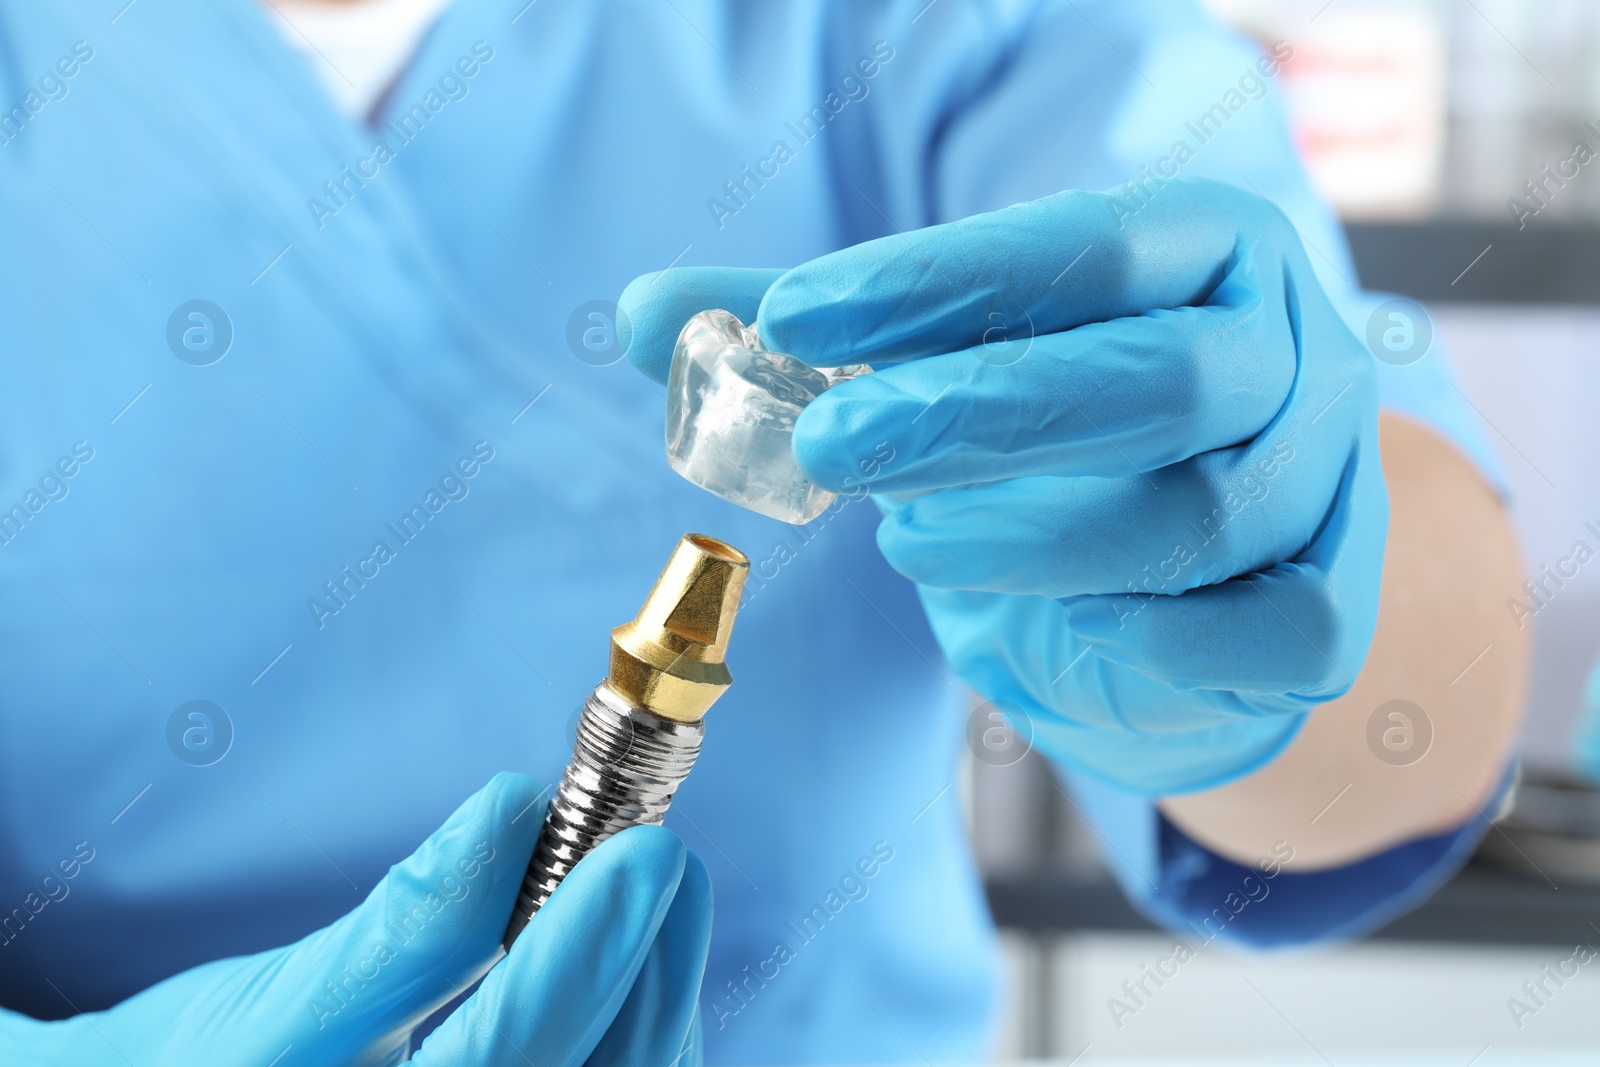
{"points": [[606, 974], [1145, 505]]}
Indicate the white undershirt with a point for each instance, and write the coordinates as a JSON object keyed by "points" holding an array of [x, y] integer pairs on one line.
{"points": [[357, 48]]}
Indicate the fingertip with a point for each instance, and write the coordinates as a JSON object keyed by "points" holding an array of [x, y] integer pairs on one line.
{"points": [[910, 550], [650, 855], [652, 310], [644, 329], [824, 435], [696, 879], [894, 540], [688, 922], [648, 840], [628, 305], [511, 787], [482, 815], [517, 804], [808, 312], [813, 439], [777, 319]]}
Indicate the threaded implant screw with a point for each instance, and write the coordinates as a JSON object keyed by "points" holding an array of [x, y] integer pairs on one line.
{"points": [[626, 765]]}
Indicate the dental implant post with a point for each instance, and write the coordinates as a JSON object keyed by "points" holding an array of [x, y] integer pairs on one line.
{"points": [[641, 727]]}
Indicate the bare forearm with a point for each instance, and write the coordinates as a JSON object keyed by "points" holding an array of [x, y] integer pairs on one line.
{"points": [[1445, 643]]}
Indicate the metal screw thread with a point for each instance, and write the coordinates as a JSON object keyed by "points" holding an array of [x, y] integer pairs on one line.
{"points": [[625, 767]]}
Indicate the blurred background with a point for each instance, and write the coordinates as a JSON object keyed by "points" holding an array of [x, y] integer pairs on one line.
{"points": [[1447, 133]]}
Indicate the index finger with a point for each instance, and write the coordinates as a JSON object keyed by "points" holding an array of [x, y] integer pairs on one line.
{"points": [[1048, 265]]}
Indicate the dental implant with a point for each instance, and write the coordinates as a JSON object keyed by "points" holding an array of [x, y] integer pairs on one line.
{"points": [[641, 727]]}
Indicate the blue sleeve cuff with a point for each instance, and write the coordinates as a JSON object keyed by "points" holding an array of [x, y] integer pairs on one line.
{"points": [[1184, 887]]}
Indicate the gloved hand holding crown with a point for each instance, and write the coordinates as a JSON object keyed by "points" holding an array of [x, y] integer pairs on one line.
{"points": [[1137, 475]]}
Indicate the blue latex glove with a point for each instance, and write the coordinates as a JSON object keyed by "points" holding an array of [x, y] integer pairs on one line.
{"points": [[1148, 514], [608, 971]]}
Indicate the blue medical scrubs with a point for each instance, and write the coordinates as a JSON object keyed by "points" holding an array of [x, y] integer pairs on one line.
{"points": [[380, 503]]}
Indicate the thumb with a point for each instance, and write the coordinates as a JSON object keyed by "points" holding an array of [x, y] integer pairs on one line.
{"points": [[656, 1024], [430, 928], [654, 307], [571, 970]]}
